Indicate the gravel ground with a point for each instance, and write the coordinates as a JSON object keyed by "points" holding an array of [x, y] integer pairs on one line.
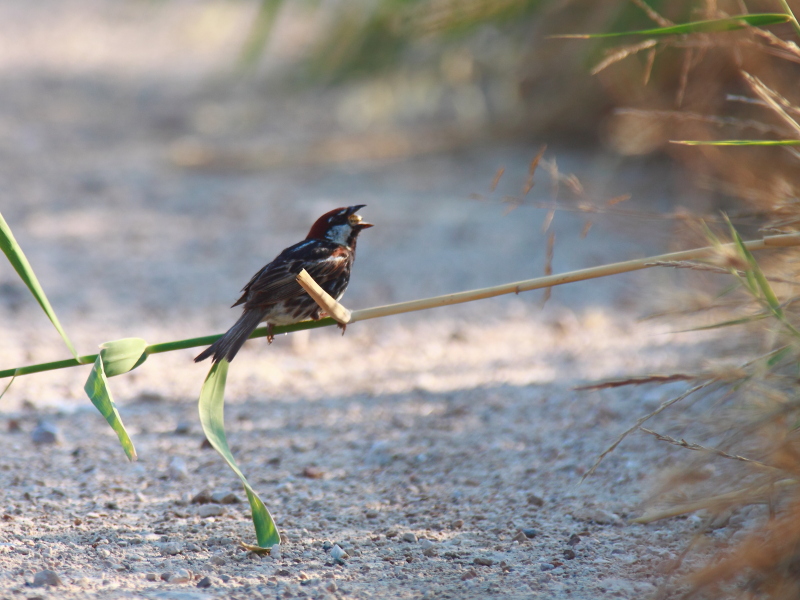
{"points": [[442, 452]]}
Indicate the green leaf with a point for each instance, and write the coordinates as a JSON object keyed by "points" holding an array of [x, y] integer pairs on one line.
{"points": [[737, 142], [758, 284], [5, 389], [97, 389], [121, 356], [212, 406], [23, 268], [732, 322], [779, 355], [711, 26]]}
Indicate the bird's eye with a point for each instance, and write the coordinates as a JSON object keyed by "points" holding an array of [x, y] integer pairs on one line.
{"points": [[354, 219]]}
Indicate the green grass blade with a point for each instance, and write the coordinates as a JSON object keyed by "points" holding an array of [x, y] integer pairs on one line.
{"points": [[736, 142], [23, 268], [121, 356], [259, 33], [758, 275], [731, 323], [97, 389], [762, 289], [5, 389], [212, 417], [779, 355], [710, 26]]}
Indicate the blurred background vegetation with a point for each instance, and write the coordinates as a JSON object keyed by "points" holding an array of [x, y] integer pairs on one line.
{"points": [[443, 74]]}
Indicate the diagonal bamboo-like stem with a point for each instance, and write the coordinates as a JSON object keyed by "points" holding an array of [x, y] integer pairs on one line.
{"points": [[775, 241]]}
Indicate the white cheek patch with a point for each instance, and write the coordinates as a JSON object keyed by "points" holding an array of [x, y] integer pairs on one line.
{"points": [[339, 234]]}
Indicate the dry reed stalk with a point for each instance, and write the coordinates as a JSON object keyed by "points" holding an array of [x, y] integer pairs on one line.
{"points": [[777, 241], [335, 310]]}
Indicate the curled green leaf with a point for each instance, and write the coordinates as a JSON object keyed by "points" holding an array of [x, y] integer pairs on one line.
{"points": [[17, 258], [211, 406], [97, 389], [121, 356]]}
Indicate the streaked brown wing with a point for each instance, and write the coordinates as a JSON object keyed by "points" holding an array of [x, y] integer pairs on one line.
{"points": [[273, 284]]}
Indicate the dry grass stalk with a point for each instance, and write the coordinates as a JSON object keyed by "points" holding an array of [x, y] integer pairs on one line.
{"points": [[662, 407], [641, 380], [338, 312], [496, 179], [774, 100], [692, 446], [560, 279], [622, 53], [653, 15], [769, 558], [741, 497], [548, 265], [696, 266]]}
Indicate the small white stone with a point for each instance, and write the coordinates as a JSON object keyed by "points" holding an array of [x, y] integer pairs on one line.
{"points": [[177, 468], [337, 553], [275, 552], [180, 576], [210, 510], [171, 548]]}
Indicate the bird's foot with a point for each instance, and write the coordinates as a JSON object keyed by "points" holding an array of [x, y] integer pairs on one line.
{"points": [[270, 337], [342, 326]]}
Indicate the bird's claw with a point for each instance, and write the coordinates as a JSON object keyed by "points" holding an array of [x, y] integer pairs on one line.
{"points": [[342, 326]]}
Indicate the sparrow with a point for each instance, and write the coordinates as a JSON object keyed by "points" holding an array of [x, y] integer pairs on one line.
{"points": [[273, 294]]}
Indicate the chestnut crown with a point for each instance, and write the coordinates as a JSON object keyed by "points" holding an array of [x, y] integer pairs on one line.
{"points": [[341, 226]]}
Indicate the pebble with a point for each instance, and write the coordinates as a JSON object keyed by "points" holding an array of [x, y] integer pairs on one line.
{"points": [[217, 561], [180, 576], [171, 548], [392, 533], [225, 498], [457, 524], [410, 537], [337, 553], [535, 500], [275, 552], [546, 566], [530, 533], [45, 433], [483, 562], [312, 472], [205, 582], [151, 577], [426, 543], [597, 515], [569, 554], [183, 428], [211, 510], [177, 469], [326, 545], [471, 574], [520, 537], [574, 539], [202, 497], [46, 577]]}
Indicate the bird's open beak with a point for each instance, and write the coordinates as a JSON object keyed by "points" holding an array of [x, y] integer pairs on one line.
{"points": [[356, 220]]}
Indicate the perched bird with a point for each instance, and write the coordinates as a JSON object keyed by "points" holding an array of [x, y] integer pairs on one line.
{"points": [[273, 294]]}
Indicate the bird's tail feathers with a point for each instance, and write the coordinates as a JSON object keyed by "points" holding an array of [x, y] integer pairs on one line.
{"points": [[228, 345]]}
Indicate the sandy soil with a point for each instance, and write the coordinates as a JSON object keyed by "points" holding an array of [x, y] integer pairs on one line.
{"points": [[442, 451]]}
